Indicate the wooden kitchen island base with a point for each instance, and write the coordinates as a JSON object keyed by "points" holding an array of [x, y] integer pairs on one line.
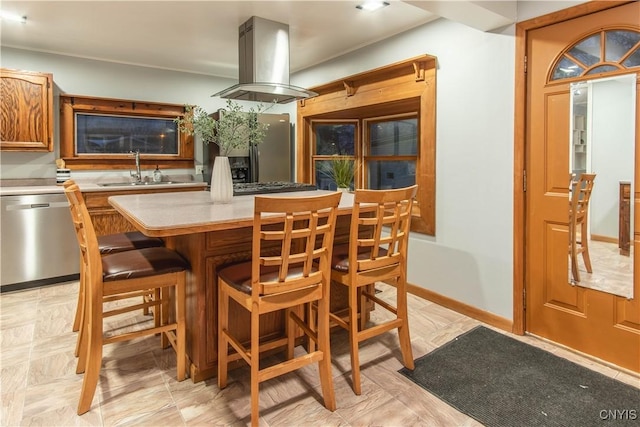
{"points": [[209, 236]]}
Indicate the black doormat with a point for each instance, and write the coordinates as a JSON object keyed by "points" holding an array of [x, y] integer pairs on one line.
{"points": [[500, 381]]}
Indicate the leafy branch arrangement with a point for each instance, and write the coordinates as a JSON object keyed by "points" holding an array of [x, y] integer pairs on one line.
{"points": [[234, 129]]}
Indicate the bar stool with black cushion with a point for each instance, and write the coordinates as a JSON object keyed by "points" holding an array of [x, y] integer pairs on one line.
{"points": [[289, 268], [108, 244], [121, 275], [376, 252]]}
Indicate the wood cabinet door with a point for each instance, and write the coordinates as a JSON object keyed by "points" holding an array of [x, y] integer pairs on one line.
{"points": [[26, 111]]}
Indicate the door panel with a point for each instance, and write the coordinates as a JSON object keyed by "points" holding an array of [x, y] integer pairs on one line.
{"points": [[590, 321], [556, 128], [566, 298]]}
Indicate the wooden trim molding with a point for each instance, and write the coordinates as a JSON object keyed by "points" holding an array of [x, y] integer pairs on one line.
{"points": [[71, 104], [402, 87], [462, 308]]}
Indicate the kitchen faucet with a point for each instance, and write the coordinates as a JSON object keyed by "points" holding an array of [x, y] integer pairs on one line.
{"points": [[137, 175]]}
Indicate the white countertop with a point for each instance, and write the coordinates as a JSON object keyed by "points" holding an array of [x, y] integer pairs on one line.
{"points": [[172, 214], [48, 186]]}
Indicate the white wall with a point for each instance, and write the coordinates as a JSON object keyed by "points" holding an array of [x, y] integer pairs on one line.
{"points": [[470, 259], [612, 133], [76, 76], [529, 9]]}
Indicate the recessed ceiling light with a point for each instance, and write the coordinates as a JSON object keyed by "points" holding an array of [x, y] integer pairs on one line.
{"points": [[372, 5], [8, 16]]}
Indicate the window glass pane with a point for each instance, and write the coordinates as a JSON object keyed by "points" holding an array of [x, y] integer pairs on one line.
{"points": [[588, 50], [633, 60], [391, 174], [335, 139], [97, 134], [603, 69], [618, 44], [394, 138], [566, 68]]}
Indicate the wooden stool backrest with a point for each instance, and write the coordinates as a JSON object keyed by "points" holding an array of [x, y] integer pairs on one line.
{"points": [[293, 237], [382, 230], [85, 233], [581, 194]]}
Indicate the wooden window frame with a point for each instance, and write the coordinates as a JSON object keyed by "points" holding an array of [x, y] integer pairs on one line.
{"points": [[72, 104], [402, 87]]}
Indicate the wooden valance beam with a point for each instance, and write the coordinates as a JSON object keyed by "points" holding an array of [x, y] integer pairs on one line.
{"points": [[408, 67]]}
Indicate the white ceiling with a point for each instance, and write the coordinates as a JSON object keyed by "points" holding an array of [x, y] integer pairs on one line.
{"points": [[202, 36]]}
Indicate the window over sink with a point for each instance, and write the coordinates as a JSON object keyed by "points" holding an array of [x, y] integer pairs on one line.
{"points": [[106, 134], [101, 133]]}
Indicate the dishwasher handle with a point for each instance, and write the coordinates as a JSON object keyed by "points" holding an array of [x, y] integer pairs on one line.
{"points": [[26, 206]]}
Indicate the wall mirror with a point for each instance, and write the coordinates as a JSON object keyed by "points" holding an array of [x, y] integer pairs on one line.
{"points": [[603, 122]]}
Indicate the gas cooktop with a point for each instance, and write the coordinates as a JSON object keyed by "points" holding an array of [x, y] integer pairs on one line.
{"points": [[270, 187]]}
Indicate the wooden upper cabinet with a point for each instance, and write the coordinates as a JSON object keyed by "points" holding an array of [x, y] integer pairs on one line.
{"points": [[27, 111]]}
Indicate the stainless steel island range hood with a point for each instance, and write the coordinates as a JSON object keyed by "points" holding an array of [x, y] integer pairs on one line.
{"points": [[263, 50]]}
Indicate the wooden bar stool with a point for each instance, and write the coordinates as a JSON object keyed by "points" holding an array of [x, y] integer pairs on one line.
{"points": [[110, 244], [120, 276], [289, 268], [376, 252], [579, 221]]}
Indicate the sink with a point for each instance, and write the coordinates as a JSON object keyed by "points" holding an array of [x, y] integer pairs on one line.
{"points": [[127, 184]]}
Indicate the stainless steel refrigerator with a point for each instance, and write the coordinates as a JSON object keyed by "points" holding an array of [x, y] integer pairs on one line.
{"points": [[269, 161]]}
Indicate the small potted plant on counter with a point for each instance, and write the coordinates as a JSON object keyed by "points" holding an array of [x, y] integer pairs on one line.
{"points": [[340, 170], [232, 128]]}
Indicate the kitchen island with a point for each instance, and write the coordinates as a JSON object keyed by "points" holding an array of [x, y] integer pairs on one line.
{"points": [[208, 236]]}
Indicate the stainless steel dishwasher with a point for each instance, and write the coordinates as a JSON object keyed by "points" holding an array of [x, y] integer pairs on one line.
{"points": [[38, 245]]}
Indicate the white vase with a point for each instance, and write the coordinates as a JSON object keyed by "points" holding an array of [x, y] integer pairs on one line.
{"points": [[221, 181]]}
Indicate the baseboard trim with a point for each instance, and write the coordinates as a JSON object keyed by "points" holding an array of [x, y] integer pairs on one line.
{"points": [[462, 308], [607, 239]]}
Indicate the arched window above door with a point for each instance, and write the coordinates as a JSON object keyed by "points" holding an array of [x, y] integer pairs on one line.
{"points": [[602, 52]]}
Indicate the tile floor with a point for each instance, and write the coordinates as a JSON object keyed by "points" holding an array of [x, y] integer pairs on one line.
{"points": [[138, 388], [610, 271]]}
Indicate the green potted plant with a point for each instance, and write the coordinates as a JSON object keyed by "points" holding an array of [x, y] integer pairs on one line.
{"points": [[340, 170], [233, 128]]}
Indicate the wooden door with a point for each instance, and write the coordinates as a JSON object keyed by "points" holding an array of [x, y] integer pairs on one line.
{"points": [[590, 321]]}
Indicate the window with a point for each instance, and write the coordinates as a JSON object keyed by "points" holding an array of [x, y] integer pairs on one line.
{"points": [[101, 133], [603, 52], [383, 120], [97, 133], [386, 158], [391, 152]]}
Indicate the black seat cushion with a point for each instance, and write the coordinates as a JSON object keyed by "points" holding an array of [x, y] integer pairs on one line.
{"points": [[340, 256], [141, 263], [120, 242], [238, 275]]}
